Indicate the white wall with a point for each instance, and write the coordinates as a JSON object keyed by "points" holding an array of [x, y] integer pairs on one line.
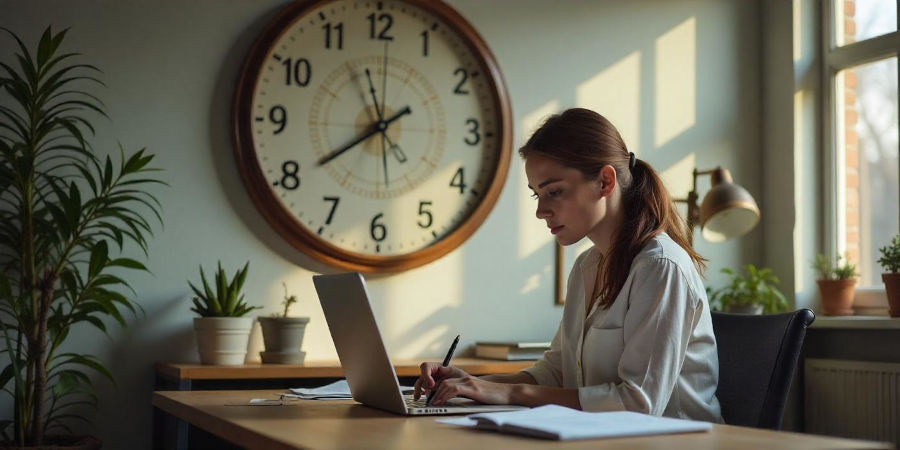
{"points": [[679, 78]]}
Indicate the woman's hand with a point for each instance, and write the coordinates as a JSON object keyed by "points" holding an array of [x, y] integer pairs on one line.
{"points": [[474, 388], [433, 374]]}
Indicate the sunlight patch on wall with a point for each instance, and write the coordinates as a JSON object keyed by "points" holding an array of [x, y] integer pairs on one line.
{"points": [[798, 33], [533, 233], [676, 81], [678, 178], [799, 225], [615, 93], [531, 283]]}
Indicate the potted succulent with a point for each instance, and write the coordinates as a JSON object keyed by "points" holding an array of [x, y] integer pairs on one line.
{"points": [[836, 282], [754, 293], [283, 335], [222, 330], [890, 262], [66, 216]]}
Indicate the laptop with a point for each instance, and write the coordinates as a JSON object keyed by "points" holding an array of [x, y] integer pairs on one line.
{"points": [[370, 374]]}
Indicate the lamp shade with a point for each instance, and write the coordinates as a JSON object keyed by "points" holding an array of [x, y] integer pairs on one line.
{"points": [[728, 210]]}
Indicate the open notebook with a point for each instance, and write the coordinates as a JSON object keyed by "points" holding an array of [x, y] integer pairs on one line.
{"points": [[561, 423]]}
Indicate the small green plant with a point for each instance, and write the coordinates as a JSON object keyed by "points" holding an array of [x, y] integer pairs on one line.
{"points": [[828, 270], [287, 302], [227, 300], [758, 286], [890, 256]]}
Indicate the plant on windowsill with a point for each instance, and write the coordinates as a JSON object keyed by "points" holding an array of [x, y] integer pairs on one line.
{"points": [[283, 335], [754, 293], [66, 217], [222, 330], [890, 262], [837, 282]]}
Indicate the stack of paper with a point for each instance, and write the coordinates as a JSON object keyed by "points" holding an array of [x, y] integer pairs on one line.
{"points": [[561, 423], [339, 390]]}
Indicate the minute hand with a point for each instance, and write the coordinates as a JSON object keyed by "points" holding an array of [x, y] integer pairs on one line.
{"points": [[375, 129]]}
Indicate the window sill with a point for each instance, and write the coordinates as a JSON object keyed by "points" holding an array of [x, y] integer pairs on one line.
{"points": [[857, 322]]}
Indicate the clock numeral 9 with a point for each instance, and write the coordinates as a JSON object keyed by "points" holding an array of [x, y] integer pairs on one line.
{"points": [[459, 180], [278, 116], [459, 89], [290, 180], [340, 35], [378, 230], [383, 17], [299, 72], [426, 213], [473, 130]]}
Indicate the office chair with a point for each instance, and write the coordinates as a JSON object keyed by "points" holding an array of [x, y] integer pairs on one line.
{"points": [[757, 357]]}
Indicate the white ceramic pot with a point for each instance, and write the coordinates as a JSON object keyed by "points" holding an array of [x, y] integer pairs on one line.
{"points": [[222, 340], [283, 337]]}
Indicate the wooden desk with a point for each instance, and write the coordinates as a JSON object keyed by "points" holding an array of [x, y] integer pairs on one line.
{"points": [[346, 425], [187, 377]]}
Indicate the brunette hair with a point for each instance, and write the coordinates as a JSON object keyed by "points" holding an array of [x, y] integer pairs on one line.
{"points": [[586, 141]]}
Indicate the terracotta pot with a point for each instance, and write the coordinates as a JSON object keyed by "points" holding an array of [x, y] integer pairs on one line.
{"points": [[837, 296], [892, 286], [54, 442]]}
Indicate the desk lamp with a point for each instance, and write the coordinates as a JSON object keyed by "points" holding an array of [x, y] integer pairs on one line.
{"points": [[727, 211]]}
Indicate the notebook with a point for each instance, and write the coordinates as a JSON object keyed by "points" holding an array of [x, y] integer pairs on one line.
{"points": [[561, 423], [364, 359]]}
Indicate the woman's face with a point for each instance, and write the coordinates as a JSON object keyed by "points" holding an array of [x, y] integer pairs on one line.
{"points": [[570, 204]]}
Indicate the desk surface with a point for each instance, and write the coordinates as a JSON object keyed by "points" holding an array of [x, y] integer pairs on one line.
{"points": [[320, 369], [345, 424]]}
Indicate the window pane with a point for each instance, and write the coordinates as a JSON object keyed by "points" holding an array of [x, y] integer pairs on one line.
{"points": [[869, 206], [857, 20]]}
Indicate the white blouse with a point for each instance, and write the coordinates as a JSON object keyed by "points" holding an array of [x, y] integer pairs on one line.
{"points": [[653, 351]]}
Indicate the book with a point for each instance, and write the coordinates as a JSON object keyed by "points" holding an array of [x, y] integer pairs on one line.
{"points": [[511, 351], [561, 423]]}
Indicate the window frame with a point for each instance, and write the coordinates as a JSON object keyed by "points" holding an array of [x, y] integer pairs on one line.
{"points": [[836, 59]]}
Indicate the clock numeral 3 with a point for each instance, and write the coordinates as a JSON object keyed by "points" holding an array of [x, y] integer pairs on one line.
{"points": [[383, 17], [378, 230], [278, 116], [459, 180], [426, 213], [473, 130], [339, 28], [300, 71], [459, 89], [336, 200], [290, 180]]}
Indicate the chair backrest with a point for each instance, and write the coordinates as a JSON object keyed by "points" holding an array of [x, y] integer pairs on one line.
{"points": [[757, 358]]}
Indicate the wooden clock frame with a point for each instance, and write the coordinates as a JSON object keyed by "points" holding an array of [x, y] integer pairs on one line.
{"points": [[295, 233]]}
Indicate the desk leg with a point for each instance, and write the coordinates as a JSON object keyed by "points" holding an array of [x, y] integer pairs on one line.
{"points": [[170, 432]]}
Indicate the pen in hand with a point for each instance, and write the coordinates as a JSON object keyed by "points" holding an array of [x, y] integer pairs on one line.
{"points": [[445, 364]]}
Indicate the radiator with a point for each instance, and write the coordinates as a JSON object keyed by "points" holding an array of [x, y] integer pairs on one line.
{"points": [[853, 399]]}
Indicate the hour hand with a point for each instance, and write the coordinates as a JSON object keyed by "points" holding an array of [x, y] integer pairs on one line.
{"points": [[373, 130]]}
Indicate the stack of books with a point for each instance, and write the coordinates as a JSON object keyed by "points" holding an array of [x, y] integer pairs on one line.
{"points": [[511, 351]]}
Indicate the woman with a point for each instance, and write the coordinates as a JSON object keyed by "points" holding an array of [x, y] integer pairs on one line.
{"points": [[636, 332]]}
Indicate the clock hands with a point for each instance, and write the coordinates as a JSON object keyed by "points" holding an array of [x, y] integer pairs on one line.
{"points": [[380, 113], [378, 127]]}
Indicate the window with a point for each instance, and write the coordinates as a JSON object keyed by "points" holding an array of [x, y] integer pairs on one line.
{"points": [[862, 114]]}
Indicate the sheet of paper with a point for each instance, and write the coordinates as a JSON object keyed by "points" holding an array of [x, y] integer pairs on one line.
{"points": [[334, 391]]}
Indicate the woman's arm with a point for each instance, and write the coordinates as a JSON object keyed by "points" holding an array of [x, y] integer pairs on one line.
{"points": [[510, 378], [500, 393]]}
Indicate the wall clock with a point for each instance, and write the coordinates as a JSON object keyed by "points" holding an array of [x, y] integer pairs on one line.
{"points": [[372, 135]]}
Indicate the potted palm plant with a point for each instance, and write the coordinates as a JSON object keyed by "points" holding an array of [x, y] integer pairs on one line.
{"points": [[67, 216], [222, 330], [837, 282], [754, 293], [283, 335], [890, 262]]}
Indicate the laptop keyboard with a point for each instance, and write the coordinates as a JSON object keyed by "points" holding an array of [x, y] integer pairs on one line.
{"points": [[420, 403]]}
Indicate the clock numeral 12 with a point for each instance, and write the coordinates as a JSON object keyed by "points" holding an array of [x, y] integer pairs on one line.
{"points": [[459, 181], [340, 35], [383, 17], [378, 230], [300, 72]]}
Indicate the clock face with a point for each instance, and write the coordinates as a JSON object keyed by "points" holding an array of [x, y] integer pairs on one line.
{"points": [[373, 135]]}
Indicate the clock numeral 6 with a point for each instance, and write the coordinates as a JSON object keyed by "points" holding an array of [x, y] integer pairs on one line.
{"points": [[473, 130], [290, 180], [278, 116], [464, 75], [383, 17], [459, 180], [426, 213], [378, 230], [339, 28], [299, 72]]}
